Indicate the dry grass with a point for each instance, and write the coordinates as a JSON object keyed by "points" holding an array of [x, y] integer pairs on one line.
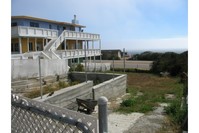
{"points": [[153, 88]]}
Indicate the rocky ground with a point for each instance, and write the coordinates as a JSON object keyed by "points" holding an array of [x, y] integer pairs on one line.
{"points": [[152, 122]]}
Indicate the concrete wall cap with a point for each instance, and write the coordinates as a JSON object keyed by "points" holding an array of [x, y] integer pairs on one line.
{"points": [[102, 100]]}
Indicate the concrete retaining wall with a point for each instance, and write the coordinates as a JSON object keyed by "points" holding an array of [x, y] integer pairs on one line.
{"points": [[67, 96], [24, 69], [101, 77], [97, 66], [111, 88]]}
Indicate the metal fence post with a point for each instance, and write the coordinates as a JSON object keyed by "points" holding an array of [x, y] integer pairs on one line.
{"points": [[102, 109], [113, 67], [124, 58], [41, 90], [85, 62]]}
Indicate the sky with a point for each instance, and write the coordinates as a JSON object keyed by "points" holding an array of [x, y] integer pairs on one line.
{"points": [[130, 24]]}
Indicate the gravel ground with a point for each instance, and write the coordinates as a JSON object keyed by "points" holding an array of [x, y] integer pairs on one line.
{"points": [[118, 123], [136, 122]]}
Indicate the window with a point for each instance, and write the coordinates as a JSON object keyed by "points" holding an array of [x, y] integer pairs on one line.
{"points": [[72, 28], [14, 47], [57, 27], [30, 46], [13, 24], [50, 26], [33, 24]]}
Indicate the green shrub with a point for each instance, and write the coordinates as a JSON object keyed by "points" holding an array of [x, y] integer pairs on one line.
{"points": [[128, 103], [79, 68], [177, 112]]}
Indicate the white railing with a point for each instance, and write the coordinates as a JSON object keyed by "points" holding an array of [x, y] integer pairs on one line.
{"points": [[58, 54], [33, 32], [76, 53], [81, 35], [73, 35], [57, 42]]}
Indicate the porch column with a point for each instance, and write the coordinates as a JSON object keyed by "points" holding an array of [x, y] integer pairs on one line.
{"points": [[43, 43], [76, 44], [46, 40], [100, 54], [87, 44], [77, 47], [35, 44], [27, 44], [93, 51], [20, 46], [65, 44], [94, 56]]}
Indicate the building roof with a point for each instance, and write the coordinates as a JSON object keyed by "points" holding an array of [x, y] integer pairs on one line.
{"points": [[46, 20]]}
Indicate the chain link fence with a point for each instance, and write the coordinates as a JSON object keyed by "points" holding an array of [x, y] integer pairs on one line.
{"points": [[30, 116]]}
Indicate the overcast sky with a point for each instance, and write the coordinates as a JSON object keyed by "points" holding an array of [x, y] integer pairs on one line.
{"points": [[130, 24]]}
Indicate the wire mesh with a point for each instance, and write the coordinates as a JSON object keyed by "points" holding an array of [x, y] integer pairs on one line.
{"points": [[30, 118]]}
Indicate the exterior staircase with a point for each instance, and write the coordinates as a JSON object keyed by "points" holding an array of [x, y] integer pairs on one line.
{"points": [[54, 43], [49, 44]]}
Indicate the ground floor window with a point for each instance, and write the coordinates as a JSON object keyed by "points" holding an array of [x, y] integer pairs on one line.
{"points": [[14, 47], [30, 46]]}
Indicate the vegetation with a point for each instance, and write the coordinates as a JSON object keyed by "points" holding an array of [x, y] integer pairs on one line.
{"points": [[76, 67], [130, 70], [48, 89], [171, 62], [147, 90]]}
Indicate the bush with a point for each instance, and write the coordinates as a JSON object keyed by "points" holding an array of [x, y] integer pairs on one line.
{"points": [[171, 62], [128, 103], [79, 68], [177, 113]]}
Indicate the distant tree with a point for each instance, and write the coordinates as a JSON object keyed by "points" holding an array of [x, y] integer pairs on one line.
{"points": [[171, 62]]}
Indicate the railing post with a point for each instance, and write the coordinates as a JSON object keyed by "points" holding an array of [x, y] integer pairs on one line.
{"points": [[102, 109]]}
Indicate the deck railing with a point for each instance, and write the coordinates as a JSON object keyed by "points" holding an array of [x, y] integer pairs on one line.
{"points": [[76, 53], [60, 54], [33, 32]]}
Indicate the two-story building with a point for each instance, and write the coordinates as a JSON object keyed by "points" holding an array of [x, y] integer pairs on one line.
{"points": [[31, 36], [56, 43]]}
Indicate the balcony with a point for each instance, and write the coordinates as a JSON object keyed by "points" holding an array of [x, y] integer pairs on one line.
{"points": [[77, 53], [42, 32], [25, 31], [81, 35], [59, 54]]}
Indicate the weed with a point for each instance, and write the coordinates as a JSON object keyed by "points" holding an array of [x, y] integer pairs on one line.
{"points": [[153, 90], [177, 112]]}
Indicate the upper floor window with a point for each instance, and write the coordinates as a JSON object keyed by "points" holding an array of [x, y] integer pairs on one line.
{"points": [[50, 26], [72, 28], [14, 24], [57, 27], [33, 24]]}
